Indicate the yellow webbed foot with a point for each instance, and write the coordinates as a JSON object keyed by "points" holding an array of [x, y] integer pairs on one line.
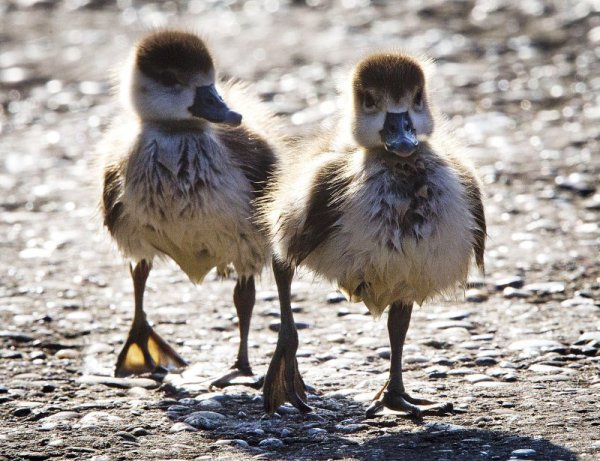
{"points": [[145, 351]]}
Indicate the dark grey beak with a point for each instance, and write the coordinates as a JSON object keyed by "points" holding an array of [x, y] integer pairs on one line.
{"points": [[398, 134], [209, 105]]}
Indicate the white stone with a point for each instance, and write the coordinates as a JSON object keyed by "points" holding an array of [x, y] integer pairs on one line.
{"points": [[548, 369], [534, 344]]}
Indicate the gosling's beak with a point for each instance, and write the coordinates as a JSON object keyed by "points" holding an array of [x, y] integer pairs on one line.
{"points": [[398, 134], [209, 105]]}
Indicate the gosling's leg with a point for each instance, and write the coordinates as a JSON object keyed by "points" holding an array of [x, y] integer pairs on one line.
{"points": [[283, 381], [395, 396], [144, 351], [244, 296]]}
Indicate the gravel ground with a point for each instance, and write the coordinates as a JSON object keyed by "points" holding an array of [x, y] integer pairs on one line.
{"points": [[519, 356]]}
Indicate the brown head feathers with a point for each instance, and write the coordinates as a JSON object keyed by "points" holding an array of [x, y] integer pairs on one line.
{"points": [[395, 73], [170, 55]]}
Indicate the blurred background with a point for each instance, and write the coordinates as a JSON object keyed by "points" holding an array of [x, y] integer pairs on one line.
{"points": [[519, 81]]}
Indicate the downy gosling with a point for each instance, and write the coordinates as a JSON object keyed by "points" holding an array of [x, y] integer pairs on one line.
{"points": [[385, 207], [181, 174]]}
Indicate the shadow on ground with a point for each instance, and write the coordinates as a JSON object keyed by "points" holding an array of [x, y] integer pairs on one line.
{"points": [[338, 430]]}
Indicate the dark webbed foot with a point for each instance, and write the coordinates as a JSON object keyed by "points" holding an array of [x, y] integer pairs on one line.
{"points": [[241, 374], [393, 395], [283, 382], [415, 407], [239, 377]]}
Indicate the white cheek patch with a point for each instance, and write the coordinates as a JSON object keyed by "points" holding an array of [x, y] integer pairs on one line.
{"points": [[366, 129], [422, 122], [155, 102]]}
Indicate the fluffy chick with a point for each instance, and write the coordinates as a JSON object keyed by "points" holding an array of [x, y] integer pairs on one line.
{"points": [[384, 206], [181, 173]]}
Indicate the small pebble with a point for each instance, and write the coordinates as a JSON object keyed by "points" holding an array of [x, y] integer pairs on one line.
{"points": [[577, 301], [453, 315], [444, 427], [524, 453], [384, 352], [271, 442], [200, 422], [593, 203], [343, 311], [16, 336], [316, 432], [96, 419], [543, 344], [21, 412], [516, 293], [461, 372], [335, 298], [210, 415], [447, 324], [548, 369], [437, 372], [67, 354], [287, 409], [233, 442], [56, 442], [34, 455], [415, 358], [545, 288], [513, 281], [483, 337], [179, 409], [8, 354], [210, 404], [139, 432], [37, 355], [478, 378], [550, 378], [267, 296], [588, 336], [485, 361], [122, 383], [182, 427], [582, 184], [476, 295], [126, 436], [351, 428]]}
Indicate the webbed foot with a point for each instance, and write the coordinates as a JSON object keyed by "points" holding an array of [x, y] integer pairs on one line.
{"points": [[401, 401], [239, 377], [283, 382], [145, 351]]}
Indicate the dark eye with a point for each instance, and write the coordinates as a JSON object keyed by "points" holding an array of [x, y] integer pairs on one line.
{"points": [[368, 100], [168, 78], [418, 100]]}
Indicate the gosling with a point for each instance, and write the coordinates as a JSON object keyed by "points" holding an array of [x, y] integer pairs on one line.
{"points": [[385, 207], [181, 174]]}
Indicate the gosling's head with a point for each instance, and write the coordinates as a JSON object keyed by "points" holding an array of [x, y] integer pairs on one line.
{"points": [[390, 107], [173, 79]]}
